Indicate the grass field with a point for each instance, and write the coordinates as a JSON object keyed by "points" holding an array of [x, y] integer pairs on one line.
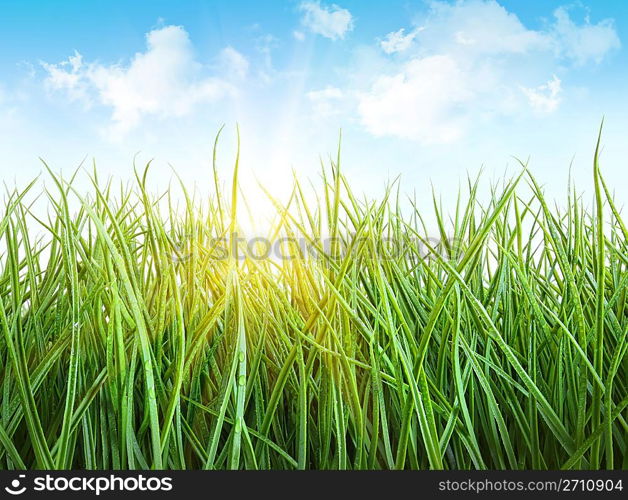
{"points": [[134, 336]]}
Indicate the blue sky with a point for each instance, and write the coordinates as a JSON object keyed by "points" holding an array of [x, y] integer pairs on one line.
{"points": [[428, 90]]}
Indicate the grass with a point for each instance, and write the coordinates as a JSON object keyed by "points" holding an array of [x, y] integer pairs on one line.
{"points": [[133, 336]]}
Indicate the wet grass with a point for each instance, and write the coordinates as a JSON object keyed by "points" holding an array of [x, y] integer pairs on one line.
{"points": [[133, 336]]}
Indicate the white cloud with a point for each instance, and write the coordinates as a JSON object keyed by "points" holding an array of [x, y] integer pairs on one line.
{"points": [[585, 43], [478, 27], [265, 44], [398, 41], [233, 63], [471, 61], [418, 103], [544, 98], [298, 35], [165, 80], [331, 22], [326, 102], [68, 76]]}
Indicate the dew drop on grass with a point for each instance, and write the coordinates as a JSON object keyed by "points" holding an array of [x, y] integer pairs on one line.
{"points": [[238, 426], [241, 356], [241, 380]]}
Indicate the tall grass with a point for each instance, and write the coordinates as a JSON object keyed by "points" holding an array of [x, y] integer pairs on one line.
{"points": [[135, 335]]}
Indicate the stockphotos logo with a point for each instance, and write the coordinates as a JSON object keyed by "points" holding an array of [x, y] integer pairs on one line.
{"points": [[16, 488], [91, 485]]}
